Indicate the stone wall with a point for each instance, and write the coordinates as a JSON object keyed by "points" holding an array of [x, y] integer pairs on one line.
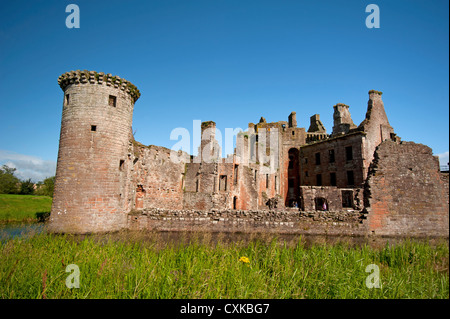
{"points": [[156, 180], [247, 196], [337, 199], [404, 193], [287, 221], [337, 163], [375, 125], [445, 182]]}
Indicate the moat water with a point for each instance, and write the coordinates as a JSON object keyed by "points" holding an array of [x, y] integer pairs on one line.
{"points": [[27, 230], [14, 230]]}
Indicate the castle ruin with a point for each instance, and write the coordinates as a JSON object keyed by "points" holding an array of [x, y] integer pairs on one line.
{"points": [[358, 180]]}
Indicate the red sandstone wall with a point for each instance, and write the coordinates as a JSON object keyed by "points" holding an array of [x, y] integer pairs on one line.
{"points": [[156, 180], [340, 166], [404, 194], [89, 185], [375, 125]]}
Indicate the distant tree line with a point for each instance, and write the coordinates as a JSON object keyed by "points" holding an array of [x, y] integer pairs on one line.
{"points": [[10, 184]]}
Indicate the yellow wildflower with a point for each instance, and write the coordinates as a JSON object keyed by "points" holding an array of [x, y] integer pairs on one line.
{"points": [[244, 259]]}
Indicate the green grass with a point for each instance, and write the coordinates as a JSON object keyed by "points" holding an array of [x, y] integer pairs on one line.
{"points": [[15, 208], [121, 267]]}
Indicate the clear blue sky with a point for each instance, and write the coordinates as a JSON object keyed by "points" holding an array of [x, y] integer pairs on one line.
{"points": [[224, 60]]}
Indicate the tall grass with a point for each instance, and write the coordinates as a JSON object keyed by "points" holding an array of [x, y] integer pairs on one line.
{"points": [[23, 208], [110, 268]]}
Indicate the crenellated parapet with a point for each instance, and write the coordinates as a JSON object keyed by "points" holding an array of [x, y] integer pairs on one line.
{"points": [[375, 92], [99, 78]]}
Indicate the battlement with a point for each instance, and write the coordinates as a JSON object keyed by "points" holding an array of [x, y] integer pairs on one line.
{"points": [[375, 92], [100, 78], [340, 105]]}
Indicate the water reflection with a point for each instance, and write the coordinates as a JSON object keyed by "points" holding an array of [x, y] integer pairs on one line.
{"points": [[161, 239], [164, 238], [15, 230]]}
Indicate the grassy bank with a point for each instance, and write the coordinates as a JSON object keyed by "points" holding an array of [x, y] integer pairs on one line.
{"points": [[24, 208], [35, 268]]}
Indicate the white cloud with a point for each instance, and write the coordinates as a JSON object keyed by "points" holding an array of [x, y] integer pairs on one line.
{"points": [[28, 166]]}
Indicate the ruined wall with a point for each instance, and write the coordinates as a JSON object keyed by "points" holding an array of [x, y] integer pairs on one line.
{"points": [[291, 140], [288, 221], [404, 194], [339, 163], [375, 125], [445, 182], [207, 185], [337, 199], [247, 195], [156, 180], [265, 151]]}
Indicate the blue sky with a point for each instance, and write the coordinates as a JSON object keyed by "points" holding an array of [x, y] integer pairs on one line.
{"points": [[223, 60]]}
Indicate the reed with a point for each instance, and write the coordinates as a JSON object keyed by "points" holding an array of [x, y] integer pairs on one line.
{"points": [[148, 265]]}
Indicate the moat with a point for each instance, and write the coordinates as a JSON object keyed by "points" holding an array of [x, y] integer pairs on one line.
{"points": [[27, 230]]}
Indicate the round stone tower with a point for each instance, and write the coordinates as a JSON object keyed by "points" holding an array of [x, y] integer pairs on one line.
{"points": [[91, 173]]}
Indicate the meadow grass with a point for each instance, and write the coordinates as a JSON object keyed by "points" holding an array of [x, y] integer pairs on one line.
{"points": [[23, 208], [124, 267]]}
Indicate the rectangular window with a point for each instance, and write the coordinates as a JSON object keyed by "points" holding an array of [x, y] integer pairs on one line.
{"points": [[223, 183], [293, 132], [349, 153], [317, 158], [196, 185], [121, 165], [347, 199], [333, 179], [306, 173], [235, 174], [350, 178], [112, 101], [267, 180], [331, 156], [291, 182], [256, 174], [319, 179], [67, 99], [276, 184], [93, 128]]}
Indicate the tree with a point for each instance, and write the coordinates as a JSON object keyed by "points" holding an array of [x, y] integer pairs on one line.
{"points": [[9, 184], [27, 187], [46, 187]]}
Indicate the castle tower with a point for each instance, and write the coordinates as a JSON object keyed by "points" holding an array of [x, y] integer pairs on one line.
{"points": [[209, 150], [91, 171]]}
